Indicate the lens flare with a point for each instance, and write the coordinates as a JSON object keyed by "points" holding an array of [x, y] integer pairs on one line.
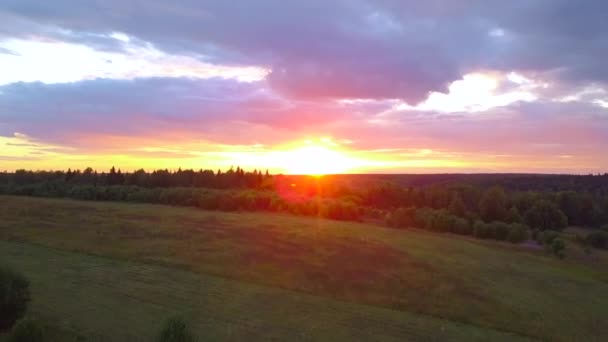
{"points": [[317, 160]]}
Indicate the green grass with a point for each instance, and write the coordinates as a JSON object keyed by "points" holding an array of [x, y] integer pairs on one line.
{"points": [[109, 299], [115, 270]]}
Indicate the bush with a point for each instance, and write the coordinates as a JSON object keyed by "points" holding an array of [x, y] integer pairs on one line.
{"points": [[423, 217], [208, 201], [26, 331], [500, 230], [14, 297], [440, 221], [481, 230], [558, 248], [401, 218], [433, 219], [175, 330], [518, 233], [461, 226], [536, 235], [547, 237], [598, 239]]}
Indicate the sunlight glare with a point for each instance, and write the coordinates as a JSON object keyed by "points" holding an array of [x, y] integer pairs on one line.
{"points": [[317, 160]]}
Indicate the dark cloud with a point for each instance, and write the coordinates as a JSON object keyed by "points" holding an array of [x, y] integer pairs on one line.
{"points": [[366, 49], [178, 108]]}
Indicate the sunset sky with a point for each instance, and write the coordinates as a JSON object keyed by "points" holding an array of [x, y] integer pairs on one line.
{"points": [[311, 86]]}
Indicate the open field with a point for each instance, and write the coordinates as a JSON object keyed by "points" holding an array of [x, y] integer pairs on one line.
{"points": [[108, 299], [115, 271]]}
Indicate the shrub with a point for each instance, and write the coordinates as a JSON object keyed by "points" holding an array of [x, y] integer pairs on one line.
{"points": [[433, 219], [518, 233], [401, 218], [208, 201], [547, 237], [461, 226], [175, 330], [26, 331], [558, 247], [339, 210], [14, 297], [423, 218], [481, 230], [440, 221], [228, 202], [500, 230], [598, 239]]}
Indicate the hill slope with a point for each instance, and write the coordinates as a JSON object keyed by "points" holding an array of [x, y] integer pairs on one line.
{"points": [[322, 278]]}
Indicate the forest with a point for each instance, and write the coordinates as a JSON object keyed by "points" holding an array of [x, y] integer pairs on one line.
{"points": [[502, 207]]}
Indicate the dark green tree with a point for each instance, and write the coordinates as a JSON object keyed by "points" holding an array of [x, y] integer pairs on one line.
{"points": [[598, 239], [457, 206], [570, 204], [175, 330], [26, 330], [558, 248], [492, 206], [513, 216], [545, 215], [14, 297]]}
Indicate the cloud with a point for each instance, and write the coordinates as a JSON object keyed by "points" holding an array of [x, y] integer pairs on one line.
{"points": [[164, 116], [60, 62], [173, 109], [537, 129], [355, 49], [384, 74]]}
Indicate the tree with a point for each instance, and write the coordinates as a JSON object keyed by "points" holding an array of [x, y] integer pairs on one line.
{"points": [[518, 233], [558, 248], [114, 177], [481, 230], [457, 206], [437, 197], [545, 215], [401, 218], [513, 216], [492, 206], [175, 330], [571, 206], [598, 239], [14, 297], [26, 331]]}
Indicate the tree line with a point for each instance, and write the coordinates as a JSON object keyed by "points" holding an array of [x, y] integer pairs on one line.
{"points": [[497, 212], [232, 178]]}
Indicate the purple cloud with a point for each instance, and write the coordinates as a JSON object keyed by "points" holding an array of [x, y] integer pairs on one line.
{"points": [[355, 49]]}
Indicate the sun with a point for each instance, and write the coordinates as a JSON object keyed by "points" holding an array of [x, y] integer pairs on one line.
{"points": [[317, 160]]}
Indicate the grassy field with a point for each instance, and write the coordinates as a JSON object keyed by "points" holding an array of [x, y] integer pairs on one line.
{"points": [[115, 271]]}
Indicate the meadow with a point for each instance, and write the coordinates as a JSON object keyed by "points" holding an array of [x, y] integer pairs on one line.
{"points": [[115, 271]]}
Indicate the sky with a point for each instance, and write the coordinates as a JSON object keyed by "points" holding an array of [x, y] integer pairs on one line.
{"points": [[315, 86]]}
